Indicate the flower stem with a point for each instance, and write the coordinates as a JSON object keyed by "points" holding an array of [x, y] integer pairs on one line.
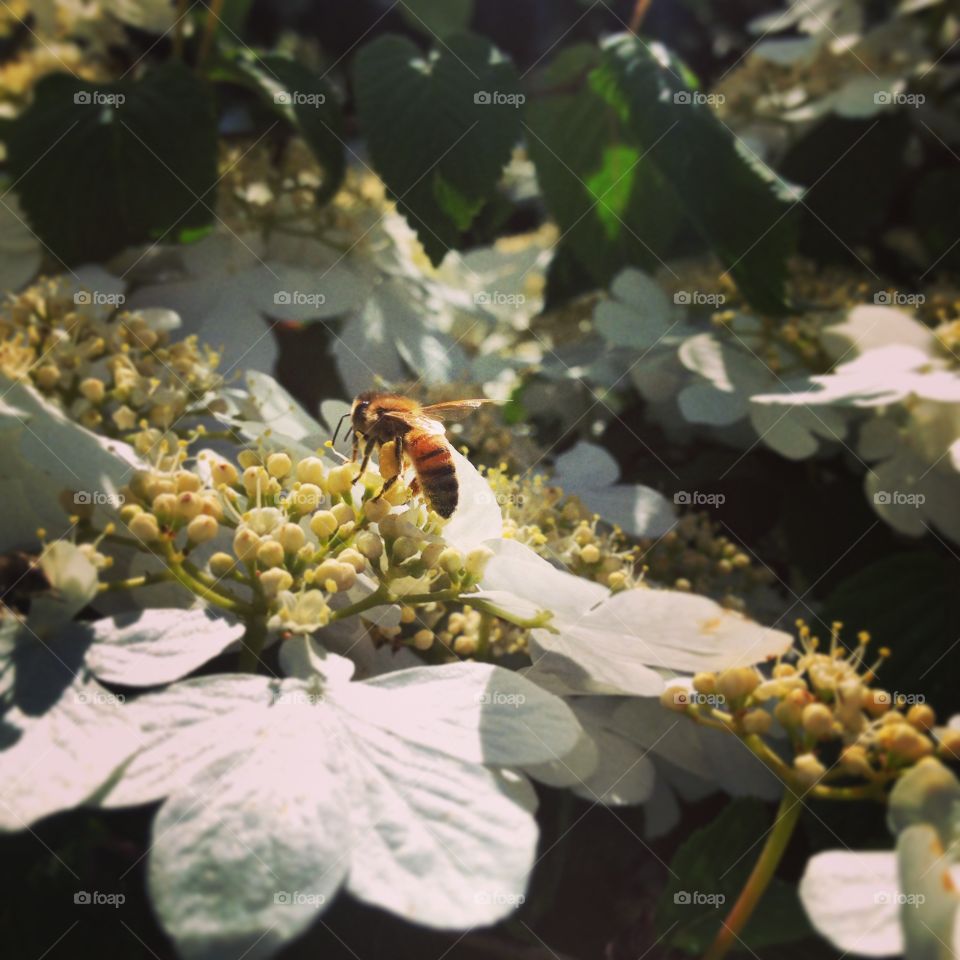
{"points": [[183, 576], [788, 814], [251, 646], [210, 26]]}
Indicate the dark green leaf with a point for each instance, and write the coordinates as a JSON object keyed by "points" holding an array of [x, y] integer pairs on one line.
{"points": [[612, 207], [437, 17], [307, 102], [100, 167], [439, 129], [736, 202], [707, 874], [908, 603]]}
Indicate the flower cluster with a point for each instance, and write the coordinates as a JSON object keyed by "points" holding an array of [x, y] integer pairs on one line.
{"points": [[839, 724], [111, 369], [302, 541]]}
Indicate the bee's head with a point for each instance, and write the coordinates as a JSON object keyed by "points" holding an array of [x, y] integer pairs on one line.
{"points": [[360, 416]]}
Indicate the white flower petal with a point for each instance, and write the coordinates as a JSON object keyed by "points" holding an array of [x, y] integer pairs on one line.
{"points": [[158, 646], [851, 899]]}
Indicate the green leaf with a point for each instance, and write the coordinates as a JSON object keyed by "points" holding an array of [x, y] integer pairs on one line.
{"points": [[736, 203], [908, 603], [101, 166], [307, 102], [437, 17], [439, 128], [613, 208], [707, 874]]}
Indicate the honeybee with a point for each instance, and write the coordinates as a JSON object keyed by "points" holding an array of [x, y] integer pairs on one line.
{"points": [[400, 427]]}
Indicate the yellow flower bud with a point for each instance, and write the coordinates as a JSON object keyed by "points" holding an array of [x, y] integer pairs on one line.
{"points": [[343, 512], [223, 472], [404, 548], [342, 575], [245, 544], [735, 683], [270, 554], [808, 769], [465, 646], [310, 470], [291, 537], [590, 553], [950, 744], [476, 561], [274, 581], [356, 559], [817, 720], [93, 389], [340, 479], [305, 498], [185, 481], [921, 716], [144, 527], [323, 523], [423, 639], [255, 479], [221, 564], [756, 721], [705, 683], [376, 510], [165, 505], [408, 614], [279, 465], [189, 505], [855, 760], [47, 376], [370, 545], [202, 528], [430, 554], [247, 458], [450, 560]]}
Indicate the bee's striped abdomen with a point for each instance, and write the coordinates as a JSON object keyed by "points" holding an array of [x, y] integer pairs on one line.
{"points": [[431, 458]]}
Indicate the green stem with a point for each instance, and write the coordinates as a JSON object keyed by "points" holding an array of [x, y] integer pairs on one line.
{"points": [[183, 576], [251, 646], [788, 814], [142, 581], [210, 27]]}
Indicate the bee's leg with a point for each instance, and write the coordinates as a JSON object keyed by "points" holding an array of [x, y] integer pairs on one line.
{"points": [[368, 449], [356, 446]]}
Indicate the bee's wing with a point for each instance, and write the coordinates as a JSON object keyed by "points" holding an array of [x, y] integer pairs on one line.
{"points": [[453, 410], [418, 421]]}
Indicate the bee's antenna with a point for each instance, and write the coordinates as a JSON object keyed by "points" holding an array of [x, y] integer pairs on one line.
{"points": [[339, 424]]}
